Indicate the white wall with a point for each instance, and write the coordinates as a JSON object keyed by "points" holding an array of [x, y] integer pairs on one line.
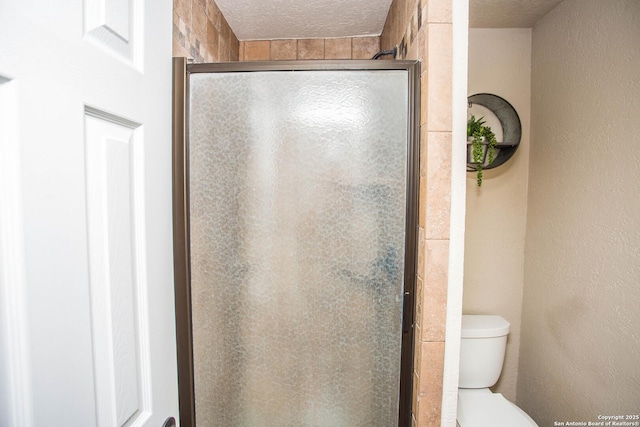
{"points": [[460, 39], [499, 63], [581, 311]]}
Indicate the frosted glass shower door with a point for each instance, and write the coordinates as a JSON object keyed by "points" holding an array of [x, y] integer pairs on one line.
{"points": [[298, 215]]}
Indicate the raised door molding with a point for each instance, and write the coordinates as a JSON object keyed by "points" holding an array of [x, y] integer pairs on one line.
{"points": [[116, 26], [15, 390], [114, 168]]}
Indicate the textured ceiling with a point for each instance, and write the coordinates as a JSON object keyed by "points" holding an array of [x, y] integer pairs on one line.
{"points": [[508, 13], [291, 19], [285, 19]]}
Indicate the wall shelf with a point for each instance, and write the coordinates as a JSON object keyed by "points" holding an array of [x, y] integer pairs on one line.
{"points": [[510, 122]]}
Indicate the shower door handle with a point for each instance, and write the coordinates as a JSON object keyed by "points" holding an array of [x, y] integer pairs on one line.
{"points": [[407, 315], [169, 422]]}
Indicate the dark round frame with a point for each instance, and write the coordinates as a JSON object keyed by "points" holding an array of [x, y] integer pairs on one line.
{"points": [[510, 122]]}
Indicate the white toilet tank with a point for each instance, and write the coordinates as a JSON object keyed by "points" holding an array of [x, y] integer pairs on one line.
{"points": [[482, 347]]}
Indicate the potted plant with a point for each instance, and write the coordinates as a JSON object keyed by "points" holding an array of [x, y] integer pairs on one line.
{"points": [[481, 145]]}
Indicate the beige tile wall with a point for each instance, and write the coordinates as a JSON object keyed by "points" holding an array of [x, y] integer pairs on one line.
{"points": [[422, 30], [201, 32], [300, 49]]}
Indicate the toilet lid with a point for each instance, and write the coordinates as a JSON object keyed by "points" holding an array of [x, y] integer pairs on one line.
{"points": [[490, 410]]}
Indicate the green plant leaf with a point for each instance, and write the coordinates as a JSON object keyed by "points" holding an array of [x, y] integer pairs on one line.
{"points": [[476, 128]]}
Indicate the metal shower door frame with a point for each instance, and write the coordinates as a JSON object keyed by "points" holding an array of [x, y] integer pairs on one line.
{"points": [[181, 226]]}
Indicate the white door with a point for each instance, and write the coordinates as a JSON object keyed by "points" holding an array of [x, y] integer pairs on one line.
{"points": [[86, 277]]}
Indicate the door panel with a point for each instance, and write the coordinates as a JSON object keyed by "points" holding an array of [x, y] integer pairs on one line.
{"points": [[93, 119], [117, 285], [115, 25]]}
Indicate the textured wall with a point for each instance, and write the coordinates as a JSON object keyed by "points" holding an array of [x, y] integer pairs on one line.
{"points": [[496, 212], [301, 49], [201, 32], [580, 339]]}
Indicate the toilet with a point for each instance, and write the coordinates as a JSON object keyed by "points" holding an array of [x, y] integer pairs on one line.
{"points": [[482, 348]]}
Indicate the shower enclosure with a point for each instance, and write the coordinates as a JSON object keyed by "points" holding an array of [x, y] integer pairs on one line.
{"points": [[295, 187]]}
